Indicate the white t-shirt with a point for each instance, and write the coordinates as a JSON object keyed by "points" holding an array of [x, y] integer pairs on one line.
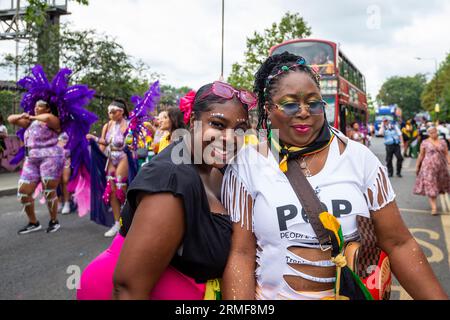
{"points": [[278, 223]]}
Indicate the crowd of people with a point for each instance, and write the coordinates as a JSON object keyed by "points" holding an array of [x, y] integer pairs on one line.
{"points": [[210, 212]]}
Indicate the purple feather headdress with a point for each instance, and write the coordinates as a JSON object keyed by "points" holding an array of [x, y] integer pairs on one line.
{"points": [[70, 101], [141, 113]]}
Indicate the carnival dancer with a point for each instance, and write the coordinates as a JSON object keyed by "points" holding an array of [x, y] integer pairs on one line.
{"points": [[65, 194], [277, 252], [120, 137], [140, 128], [177, 231], [50, 108], [112, 143]]}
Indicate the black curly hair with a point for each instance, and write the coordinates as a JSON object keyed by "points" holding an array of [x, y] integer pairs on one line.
{"points": [[265, 87]]}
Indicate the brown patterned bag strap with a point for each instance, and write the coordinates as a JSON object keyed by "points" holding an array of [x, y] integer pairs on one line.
{"points": [[369, 252], [310, 203]]}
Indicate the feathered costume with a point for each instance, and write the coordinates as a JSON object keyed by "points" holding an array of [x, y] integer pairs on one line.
{"points": [[75, 120], [141, 113], [100, 210]]}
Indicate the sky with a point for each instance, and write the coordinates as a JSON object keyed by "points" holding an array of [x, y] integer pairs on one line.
{"points": [[182, 39]]}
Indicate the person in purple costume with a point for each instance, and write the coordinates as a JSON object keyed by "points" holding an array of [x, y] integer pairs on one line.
{"points": [[44, 162], [112, 143]]}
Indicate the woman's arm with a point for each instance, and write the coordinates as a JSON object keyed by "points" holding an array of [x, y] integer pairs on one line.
{"points": [[150, 127], [420, 159], [48, 118], [408, 262], [239, 276], [154, 236], [21, 120]]}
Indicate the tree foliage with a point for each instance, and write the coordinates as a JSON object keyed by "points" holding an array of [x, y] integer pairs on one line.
{"points": [[170, 96], [97, 60], [291, 26], [438, 91], [405, 92]]}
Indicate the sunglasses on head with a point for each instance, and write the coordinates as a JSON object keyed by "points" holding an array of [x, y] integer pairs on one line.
{"points": [[113, 109], [224, 90], [292, 108]]}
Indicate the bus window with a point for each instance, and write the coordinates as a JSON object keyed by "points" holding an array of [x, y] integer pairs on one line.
{"points": [[330, 109], [318, 55], [346, 70]]}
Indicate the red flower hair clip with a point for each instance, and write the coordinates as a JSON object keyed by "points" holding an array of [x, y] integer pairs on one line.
{"points": [[186, 104]]}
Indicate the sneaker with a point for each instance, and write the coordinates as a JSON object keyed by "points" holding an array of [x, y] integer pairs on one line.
{"points": [[66, 208], [30, 227], [113, 231], [53, 226]]}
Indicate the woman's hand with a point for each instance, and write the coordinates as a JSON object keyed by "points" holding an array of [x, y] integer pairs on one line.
{"points": [[25, 116], [91, 137]]}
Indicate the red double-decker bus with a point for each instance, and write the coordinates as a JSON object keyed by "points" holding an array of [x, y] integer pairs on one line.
{"points": [[343, 85]]}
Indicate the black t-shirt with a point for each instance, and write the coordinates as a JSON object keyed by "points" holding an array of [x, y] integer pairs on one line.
{"points": [[207, 236]]}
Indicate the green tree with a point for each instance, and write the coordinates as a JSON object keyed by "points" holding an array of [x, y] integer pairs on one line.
{"points": [[170, 95], [99, 61], [291, 26], [371, 107], [7, 99], [405, 92], [44, 33], [438, 91]]}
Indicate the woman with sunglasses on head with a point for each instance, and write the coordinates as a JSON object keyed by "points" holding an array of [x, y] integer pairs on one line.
{"points": [[175, 231], [275, 253], [112, 143]]}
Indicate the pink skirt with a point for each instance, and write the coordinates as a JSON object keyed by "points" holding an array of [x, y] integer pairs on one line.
{"points": [[97, 279]]}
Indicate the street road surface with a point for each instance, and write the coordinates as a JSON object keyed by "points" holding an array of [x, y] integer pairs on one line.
{"points": [[45, 266]]}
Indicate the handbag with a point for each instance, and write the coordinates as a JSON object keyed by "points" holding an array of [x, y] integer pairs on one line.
{"points": [[363, 269]]}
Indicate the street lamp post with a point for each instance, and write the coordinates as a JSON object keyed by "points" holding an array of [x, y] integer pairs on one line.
{"points": [[436, 107]]}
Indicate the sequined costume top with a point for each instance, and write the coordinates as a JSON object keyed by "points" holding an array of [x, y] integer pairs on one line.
{"points": [[116, 143], [41, 141]]}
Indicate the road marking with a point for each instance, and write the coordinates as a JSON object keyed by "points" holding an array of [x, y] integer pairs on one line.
{"points": [[447, 199], [403, 294], [446, 226], [436, 253], [445, 202], [423, 211]]}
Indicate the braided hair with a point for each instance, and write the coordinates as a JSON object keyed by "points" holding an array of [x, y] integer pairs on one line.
{"points": [[267, 77]]}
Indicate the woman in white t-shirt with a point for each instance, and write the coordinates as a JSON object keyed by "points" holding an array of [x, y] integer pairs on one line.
{"points": [[275, 253]]}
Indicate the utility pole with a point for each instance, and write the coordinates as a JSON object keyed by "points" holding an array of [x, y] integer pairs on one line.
{"points": [[223, 31], [16, 103]]}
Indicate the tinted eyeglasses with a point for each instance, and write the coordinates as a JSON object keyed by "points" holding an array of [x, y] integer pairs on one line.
{"points": [[292, 108], [224, 90]]}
